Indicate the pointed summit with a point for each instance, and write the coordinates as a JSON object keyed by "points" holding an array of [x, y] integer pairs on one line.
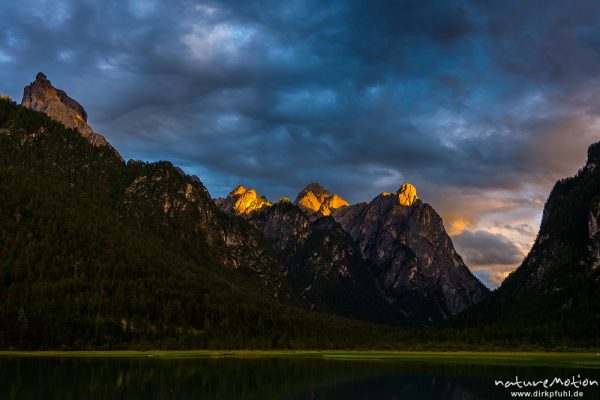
{"points": [[238, 190], [316, 201], [242, 201], [316, 188], [40, 95], [407, 194]]}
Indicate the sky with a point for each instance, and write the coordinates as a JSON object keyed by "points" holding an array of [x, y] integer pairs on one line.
{"points": [[481, 105]]}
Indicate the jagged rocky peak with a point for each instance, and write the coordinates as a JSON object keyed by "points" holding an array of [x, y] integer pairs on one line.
{"points": [[41, 96], [407, 194], [413, 259], [315, 200], [243, 201]]}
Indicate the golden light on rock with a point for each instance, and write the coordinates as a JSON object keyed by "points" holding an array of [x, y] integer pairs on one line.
{"points": [[331, 203], [315, 199], [407, 194], [245, 201], [238, 190], [309, 202]]}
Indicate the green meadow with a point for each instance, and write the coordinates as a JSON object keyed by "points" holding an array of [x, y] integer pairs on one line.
{"points": [[572, 360]]}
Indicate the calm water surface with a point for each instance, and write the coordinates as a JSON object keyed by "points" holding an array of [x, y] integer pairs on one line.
{"points": [[277, 378]]}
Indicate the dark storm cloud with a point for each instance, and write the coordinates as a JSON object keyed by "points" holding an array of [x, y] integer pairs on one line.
{"points": [[485, 248], [467, 100], [491, 256], [399, 85]]}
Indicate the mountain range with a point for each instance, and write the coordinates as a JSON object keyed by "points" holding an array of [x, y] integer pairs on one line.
{"points": [[99, 252], [389, 260]]}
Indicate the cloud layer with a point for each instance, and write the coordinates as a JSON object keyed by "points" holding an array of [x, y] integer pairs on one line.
{"points": [[481, 106]]}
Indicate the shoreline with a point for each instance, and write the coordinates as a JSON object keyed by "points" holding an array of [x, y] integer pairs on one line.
{"points": [[572, 359]]}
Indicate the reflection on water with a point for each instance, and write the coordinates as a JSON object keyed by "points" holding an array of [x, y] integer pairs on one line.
{"points": [[279, 378]]}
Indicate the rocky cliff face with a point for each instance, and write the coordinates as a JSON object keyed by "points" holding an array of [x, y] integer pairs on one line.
{"points": [[40, 95], [323, 265], [412, 256], [393, 251]]}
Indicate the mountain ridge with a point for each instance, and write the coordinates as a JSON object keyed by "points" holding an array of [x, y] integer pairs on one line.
{"points": [[401, 242]]}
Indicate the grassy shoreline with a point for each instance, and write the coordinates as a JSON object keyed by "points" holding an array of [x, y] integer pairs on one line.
{"points": [[578, 360]]}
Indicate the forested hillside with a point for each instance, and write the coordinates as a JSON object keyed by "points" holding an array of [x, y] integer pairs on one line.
{"points": [[82, 266]]}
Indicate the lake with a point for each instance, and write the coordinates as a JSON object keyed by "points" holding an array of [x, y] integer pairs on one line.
{"points": [[266, 378]]}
